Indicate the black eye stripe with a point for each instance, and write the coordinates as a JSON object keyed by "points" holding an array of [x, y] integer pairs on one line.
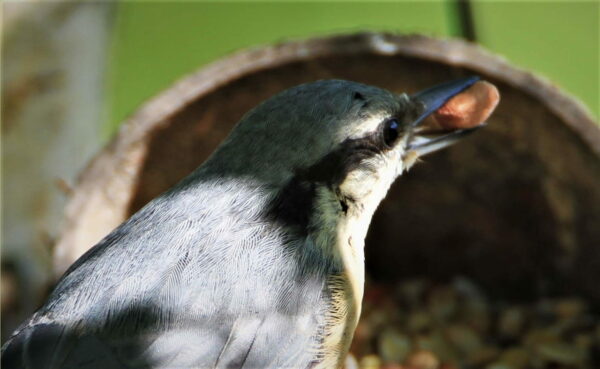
{"points": [[294, 204], [358, 96]]}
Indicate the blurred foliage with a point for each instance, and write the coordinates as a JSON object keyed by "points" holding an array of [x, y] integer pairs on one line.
{"points": [[157, 43], [559, 40]]}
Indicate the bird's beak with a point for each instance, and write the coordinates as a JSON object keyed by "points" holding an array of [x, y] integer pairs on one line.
{"points": [[428, 138]]}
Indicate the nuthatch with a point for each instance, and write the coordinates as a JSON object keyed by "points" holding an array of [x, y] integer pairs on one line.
{"points": [[255, 260]]}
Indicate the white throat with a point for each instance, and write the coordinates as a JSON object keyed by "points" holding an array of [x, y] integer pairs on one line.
{"points": [[343, 227]]}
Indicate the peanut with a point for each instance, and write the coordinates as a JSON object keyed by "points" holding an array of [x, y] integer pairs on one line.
{"points": [[469, 108]]}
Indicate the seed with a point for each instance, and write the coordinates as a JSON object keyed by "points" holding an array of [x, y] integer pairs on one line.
{"points": [[469, 108], [511, 322], [463, 338], [370, 362], [516, 357], [393, 346], [422, 359]]}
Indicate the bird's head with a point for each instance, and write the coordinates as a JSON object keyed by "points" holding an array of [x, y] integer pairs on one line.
{"points": [[333, 147]]}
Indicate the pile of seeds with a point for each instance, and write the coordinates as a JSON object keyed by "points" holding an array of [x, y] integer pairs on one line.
{"points": [[422, 325]]}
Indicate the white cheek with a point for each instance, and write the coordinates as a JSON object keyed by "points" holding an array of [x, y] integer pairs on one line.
{"points": [[368, 187], [358, 184]]}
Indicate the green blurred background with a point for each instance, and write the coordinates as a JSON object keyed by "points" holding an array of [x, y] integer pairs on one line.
{"points": [[154, 44]]}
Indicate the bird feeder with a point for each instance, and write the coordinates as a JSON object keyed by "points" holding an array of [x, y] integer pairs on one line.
{"points": [[515, 206]]}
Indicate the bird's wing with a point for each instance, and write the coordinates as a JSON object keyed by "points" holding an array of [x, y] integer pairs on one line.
{"points": [[50, 345], [265, 342], [171, 290]]}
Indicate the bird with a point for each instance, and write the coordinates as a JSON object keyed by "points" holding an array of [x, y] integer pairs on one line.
{"points": [[256, 258]]}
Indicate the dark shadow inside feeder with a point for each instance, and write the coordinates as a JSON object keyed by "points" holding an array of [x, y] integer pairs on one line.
{"points": [[514, 207], [445, 219]]}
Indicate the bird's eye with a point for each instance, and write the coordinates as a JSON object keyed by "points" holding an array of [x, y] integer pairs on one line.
{"points": [[391, 132]]}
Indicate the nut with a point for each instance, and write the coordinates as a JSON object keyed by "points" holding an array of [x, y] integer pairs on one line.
{"points": [[469, 108]]}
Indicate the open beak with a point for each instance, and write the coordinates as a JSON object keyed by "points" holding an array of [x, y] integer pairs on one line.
{"points": [[428, 138]]}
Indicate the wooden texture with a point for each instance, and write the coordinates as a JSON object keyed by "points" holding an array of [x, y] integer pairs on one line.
{"points": [[516, 206]]}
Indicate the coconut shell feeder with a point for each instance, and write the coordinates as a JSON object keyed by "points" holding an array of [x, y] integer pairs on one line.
{"points": [[515, 207]]}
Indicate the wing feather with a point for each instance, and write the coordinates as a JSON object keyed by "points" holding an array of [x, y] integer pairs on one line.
{"points": [[178, 286]]}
